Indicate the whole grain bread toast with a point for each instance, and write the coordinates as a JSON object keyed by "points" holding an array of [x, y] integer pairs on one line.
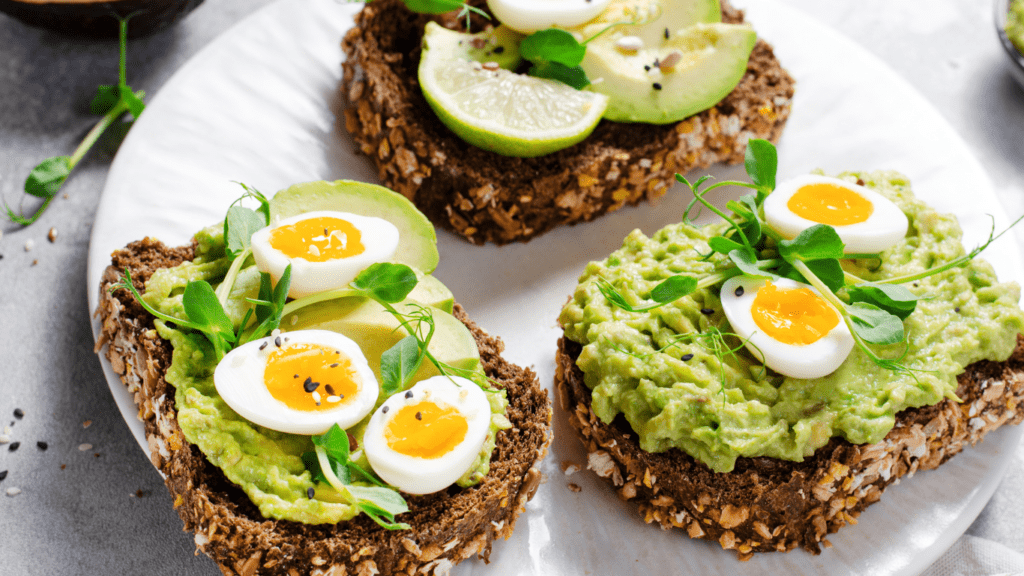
{"points": [[766, 504], [487, 197], [447, 527]]}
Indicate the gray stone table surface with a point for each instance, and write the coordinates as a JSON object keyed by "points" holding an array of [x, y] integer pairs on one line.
{"points": [[91, 503]]}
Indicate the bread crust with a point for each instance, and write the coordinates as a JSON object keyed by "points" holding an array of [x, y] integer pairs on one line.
{"points": [[766, 504], [487, 197], [447, 527]]}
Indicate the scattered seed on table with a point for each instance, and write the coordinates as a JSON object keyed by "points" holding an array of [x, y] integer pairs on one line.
{"points": [[87, 423], [42, 445], [3, 475], [29, 245], [13, 491], [19, 413], [14, 446], [84, 447], [52, 235]]}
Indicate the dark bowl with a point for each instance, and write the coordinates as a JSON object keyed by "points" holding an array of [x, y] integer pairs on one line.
{"points": [[1014, 54], [99, 18]]}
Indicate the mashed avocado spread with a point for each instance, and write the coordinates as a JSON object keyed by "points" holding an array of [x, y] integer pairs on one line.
{"points": [[689, 393], [266, 464], [1015, 24]]}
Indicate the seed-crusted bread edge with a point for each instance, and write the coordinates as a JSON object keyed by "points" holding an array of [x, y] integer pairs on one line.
{"points": [[766, 504], [487, 197], [447, 527]]}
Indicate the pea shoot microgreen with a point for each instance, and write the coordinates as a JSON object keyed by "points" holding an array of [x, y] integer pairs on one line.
{"points": [[111, 102], [873, 311], [330, 462]]}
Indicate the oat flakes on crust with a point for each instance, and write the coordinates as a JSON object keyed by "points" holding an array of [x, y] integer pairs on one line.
{"points": [[448, 527], [487, 197], [766, 504]]}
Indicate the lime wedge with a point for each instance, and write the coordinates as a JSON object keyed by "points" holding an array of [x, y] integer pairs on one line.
{"points": [[496, 109]]}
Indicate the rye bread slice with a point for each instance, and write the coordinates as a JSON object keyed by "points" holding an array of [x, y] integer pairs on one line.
{"points": [[447, 527], [766, 504], [487, 197]]}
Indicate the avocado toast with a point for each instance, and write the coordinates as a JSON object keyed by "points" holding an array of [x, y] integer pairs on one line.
{"points": [[699, 423], [244, 525], [487, 197]]}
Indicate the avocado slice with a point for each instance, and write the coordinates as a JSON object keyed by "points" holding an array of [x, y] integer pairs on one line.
{"points": [[430, 290], [709, 60], [653, 17], [375, 330], [417, 246]]}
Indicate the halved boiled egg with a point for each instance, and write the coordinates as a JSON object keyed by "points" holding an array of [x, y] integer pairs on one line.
{"points": [[424, 439], [866, 221], [787, 325], [300, 382], [327, 250], [528, 16]]}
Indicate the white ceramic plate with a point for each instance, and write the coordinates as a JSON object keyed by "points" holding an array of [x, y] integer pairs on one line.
{"points": [[259, 104]]}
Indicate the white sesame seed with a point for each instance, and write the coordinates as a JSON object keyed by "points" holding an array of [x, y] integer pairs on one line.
{"points": [[316, 396], [12, 491], [333, 399], [84, 447], [29, 245], [294, 320], [629, 44], [276, 332]]}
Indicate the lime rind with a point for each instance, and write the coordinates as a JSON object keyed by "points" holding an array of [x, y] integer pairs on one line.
{"points": [[498, 110]]}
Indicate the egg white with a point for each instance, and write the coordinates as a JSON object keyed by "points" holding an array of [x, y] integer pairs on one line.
{"points": [[814, 360], [427, 475], [528, 16], [379, 237], [239, 381], [886, 226]]}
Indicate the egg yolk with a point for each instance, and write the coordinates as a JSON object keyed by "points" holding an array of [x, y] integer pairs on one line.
{"points": [[425, 430], [795, 316], [318, 239], [830, 204], [310, 377]]}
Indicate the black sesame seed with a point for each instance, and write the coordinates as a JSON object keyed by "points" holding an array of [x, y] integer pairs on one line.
{"points": [[310, 492], [408, 394], [385, 409], [263, 346], [707, 311], [666, 33], [325, 232], [296, 376], [3, 474], [330, 390], [500, 49], [957, 309], [739, 291], [277, 341], [657, 86], [657, 62], [309, 385], [714, 425], [19, 413], [915, 284], [419, 416], [14, 446], [647, 68], [335, 365], [42, 445], [686, 357]]}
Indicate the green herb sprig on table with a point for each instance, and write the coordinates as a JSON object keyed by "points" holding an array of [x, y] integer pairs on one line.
{"points": [[110, 101], [873, 311]]}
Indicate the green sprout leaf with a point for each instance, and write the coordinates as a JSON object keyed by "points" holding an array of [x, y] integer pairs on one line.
{"points": [[552, 45], [749, 265], [107, 96], [723, 245], [556, 55], [830, 272], [875, 325], [48, 176], [433, 6], [669, 290], [399, 363], [386, 282], [270, 305], [815, 243], [334, 442], [203, 308], [239, 226], [761, 162], [892, 298]]}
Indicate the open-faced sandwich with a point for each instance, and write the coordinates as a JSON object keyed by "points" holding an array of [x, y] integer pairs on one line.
{"points": [[318, 403], [759, 381], [503, 120]]}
